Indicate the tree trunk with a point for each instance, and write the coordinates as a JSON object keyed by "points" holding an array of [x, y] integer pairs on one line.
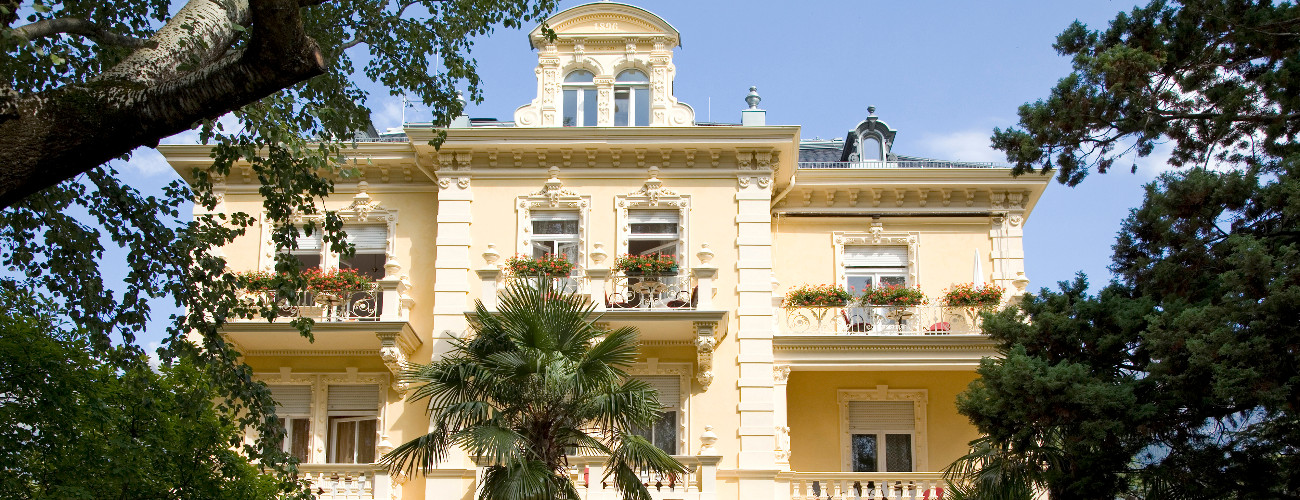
{"points": [[61, 133]]}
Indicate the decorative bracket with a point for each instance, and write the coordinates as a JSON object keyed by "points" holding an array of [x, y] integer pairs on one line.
{"points": [[705, 342], [395, 349]]}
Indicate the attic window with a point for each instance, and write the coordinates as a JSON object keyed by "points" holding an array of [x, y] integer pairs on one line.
{"points": [[870, 149], [631, 99], [579, 99]]}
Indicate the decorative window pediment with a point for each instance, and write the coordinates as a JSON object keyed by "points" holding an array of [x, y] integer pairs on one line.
{"points": [[887, 420], [653, 196], [363, 210], [552, 197]]}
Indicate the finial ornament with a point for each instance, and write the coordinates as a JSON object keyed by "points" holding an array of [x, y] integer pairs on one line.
{"points": [[871, 111], [753, 98]]}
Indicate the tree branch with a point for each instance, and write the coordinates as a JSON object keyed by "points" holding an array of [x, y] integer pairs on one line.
{"points": [[71, 25], [66, 131]]}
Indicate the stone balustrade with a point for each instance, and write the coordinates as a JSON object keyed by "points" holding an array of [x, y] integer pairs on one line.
{"points": [[866, 485]]}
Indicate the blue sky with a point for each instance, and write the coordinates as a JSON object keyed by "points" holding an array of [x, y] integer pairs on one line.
{"points": [[944, 74]]}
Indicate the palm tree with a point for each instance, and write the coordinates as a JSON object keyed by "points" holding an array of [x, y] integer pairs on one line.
{"points": [[535, 382], [996, 470]]}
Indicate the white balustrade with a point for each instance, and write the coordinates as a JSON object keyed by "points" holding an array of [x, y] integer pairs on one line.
{"points": [[348, 481], [867, 485]]}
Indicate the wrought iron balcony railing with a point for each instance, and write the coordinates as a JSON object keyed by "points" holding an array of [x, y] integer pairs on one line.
{"points": [[880, 320]]}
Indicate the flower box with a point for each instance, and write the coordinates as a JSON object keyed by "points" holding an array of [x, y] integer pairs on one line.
{"points": [[654, 264], [970, 296], [818, 296], [335, 281], [893, 295], [550, 266]]}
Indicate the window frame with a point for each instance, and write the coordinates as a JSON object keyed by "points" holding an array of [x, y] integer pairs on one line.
{"points": [[582, 90], [683, 371], [918, 397], [654, 196], [320, 450], [842, 239], [553, 196], [634, 89], [363, 210]]}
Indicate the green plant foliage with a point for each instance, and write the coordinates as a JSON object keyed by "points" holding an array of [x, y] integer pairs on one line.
{"points": [[968, 295], [554, 266], [294, 141], [1181, 379], [655, 263], [534, 381], [892, 295], [78, 427], [818, 296]]}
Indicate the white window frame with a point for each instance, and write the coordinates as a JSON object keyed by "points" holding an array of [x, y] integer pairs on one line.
{"points": [[552, 197], [287, 418], [653, 195], [683, 372], [633, 89], [920, 399], [580, 103], [911, 240], [320, 451], [363, 211]]}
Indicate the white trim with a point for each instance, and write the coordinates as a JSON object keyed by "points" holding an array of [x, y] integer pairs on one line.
{"points": [[320, 382], [920, 399]]}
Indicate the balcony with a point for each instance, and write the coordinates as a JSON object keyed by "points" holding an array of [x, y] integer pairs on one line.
{"points": [[348, 481], [385, 300], [930, 337], [880, 320], [865, 485]]}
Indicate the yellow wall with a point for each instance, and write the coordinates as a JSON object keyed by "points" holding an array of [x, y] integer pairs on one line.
{"points": [[814, 416]]}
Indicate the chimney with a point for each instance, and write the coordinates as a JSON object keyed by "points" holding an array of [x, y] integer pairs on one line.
{"points": [[461, 120], [753, 117]]}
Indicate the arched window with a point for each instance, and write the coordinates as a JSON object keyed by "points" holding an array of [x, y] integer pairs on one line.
{"points": [[631, 99], [580, 99], [870, 149]]}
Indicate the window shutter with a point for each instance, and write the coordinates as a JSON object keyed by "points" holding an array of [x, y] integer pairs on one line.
{"points": [[309, 243], [669, 387], [291, 399], [353, 400], [652, 216], [882, 416], [550, 215], [875, 256], [369, 238]]}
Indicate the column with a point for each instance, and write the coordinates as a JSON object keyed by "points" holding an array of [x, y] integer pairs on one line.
{"points": [[754, 328]]}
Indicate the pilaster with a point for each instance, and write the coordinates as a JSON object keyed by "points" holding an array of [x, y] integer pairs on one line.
{"points": [[757, 407]]}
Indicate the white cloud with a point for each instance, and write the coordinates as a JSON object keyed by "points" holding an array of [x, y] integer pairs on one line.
{"points": [[962, 145]]}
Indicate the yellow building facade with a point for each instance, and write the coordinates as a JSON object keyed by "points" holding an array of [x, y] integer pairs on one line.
{"points": [[766, 400]]}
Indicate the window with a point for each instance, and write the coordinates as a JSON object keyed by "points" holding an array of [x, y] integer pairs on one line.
{"points": [[371, 244], [663, 434], [369, 240], [579, 99], [353, 412], [555, 232], [881, 435], [631, 99], [869, 148], [293, 409], [653, 231], [869, 266]]}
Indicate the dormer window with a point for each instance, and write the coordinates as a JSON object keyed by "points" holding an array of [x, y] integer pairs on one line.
{"points": [[580, 99], [870, 148], [631, 99]]}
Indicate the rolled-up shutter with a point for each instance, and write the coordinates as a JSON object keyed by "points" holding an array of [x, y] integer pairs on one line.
{"points": [[882, 416], [291, 399], [353, 400], [368, 238], [875, 256], [669, 387], [653, 216], [308, 244]]}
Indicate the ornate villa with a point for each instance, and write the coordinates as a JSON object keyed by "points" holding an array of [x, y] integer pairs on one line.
{"points": [[770, 394]]}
